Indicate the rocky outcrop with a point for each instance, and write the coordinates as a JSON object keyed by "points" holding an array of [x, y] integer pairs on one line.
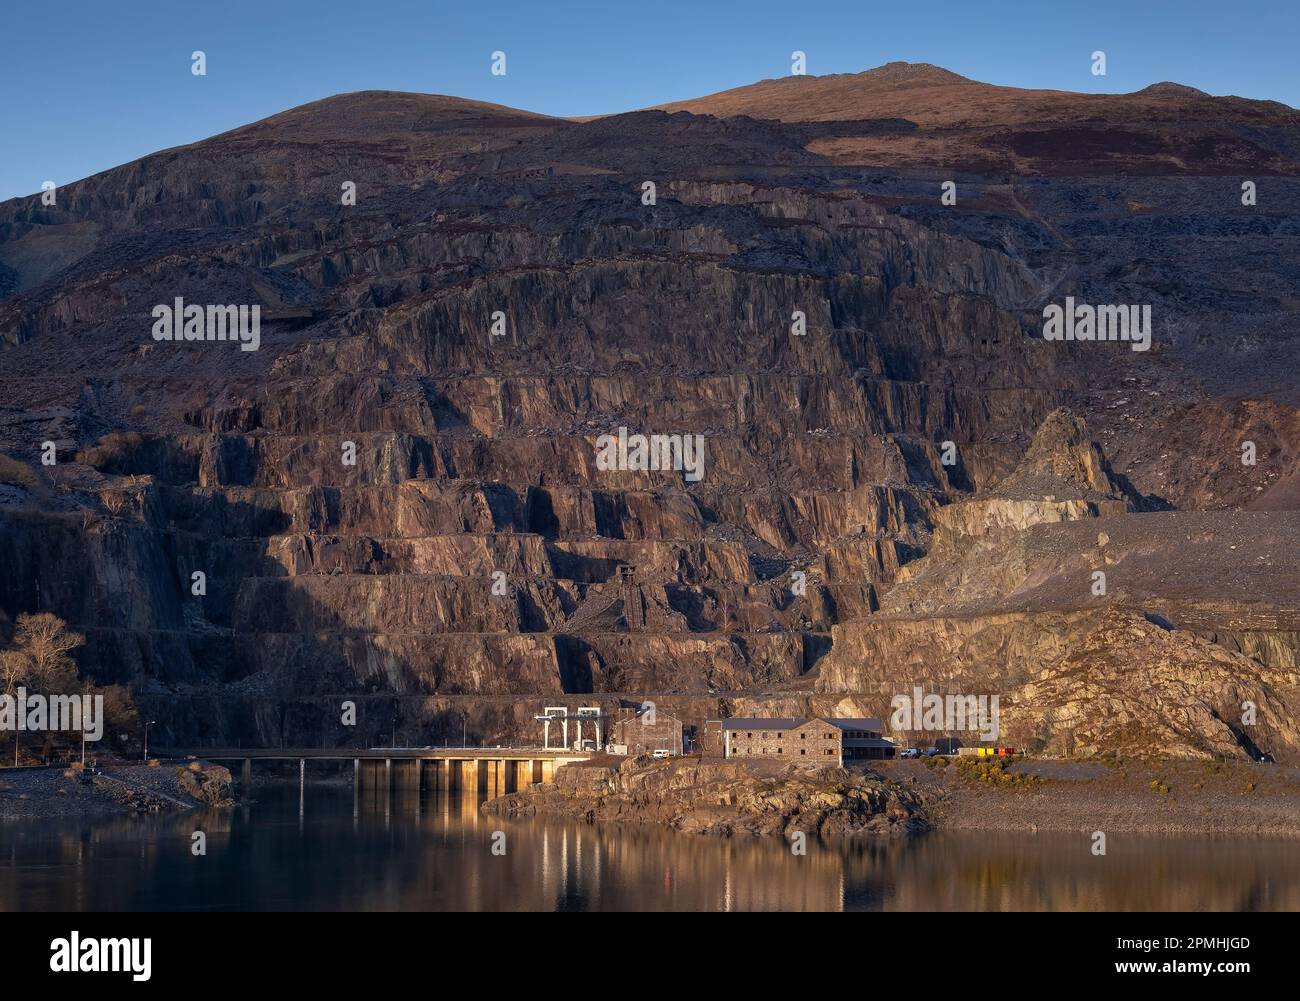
{"points": [[1082, 683], [205, 783], [723, 798], [1063, 477], [1101, 630]]}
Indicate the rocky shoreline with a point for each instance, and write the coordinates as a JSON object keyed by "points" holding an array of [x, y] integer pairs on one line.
{"points": [[1149, 797], [729, 798], [723, 797], [34, 793], [908, 797]]}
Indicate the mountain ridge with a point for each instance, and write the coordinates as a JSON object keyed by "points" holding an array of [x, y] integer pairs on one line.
{"points": [[893, 74]]}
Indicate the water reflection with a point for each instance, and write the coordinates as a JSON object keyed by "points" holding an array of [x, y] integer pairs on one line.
{"points": [[329, 851]]}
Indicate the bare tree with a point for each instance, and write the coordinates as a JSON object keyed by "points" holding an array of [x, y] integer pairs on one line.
{"points": [[45, 640], [15, 669], [40, 658]]}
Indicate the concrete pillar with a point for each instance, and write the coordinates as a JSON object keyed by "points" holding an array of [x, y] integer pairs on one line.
{"points": [[469, 776], [248, 773], [356, 775], [388, 775], [548, 770]]}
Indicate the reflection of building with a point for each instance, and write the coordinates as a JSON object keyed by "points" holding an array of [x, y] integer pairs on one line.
{"points": [[804, 741], [644, 732], [592, 740]]}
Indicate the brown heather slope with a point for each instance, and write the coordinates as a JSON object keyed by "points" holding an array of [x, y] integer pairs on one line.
{"points": [[824, 452], [965, 124]]}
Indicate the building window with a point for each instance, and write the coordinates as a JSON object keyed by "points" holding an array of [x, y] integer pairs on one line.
{"points": [[802, 751], [829, 751]]}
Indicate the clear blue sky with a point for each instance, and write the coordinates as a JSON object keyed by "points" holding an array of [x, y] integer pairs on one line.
{"points": [[89, 84]]}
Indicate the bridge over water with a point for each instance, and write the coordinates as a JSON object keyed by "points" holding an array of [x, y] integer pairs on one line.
{"points": [[491, 770]]}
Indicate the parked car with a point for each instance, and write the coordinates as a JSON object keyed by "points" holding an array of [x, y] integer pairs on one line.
{"points": [[909, 752], [932, 752], [660, 753]]}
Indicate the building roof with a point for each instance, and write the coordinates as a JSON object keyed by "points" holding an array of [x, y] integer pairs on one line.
{"points": [[854, 723], [628, 716], [758, 723], [790, 723]]}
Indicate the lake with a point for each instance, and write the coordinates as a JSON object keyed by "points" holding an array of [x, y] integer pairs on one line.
{"points": [[329, 851]]}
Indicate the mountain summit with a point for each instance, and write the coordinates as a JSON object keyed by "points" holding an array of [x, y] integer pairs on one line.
{"points": [[966, 124]]}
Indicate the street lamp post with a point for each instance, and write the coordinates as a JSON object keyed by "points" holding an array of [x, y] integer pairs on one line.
{"points": [[150, 723]]}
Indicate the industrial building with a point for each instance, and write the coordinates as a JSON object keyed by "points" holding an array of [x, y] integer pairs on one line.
{"points": [[644, 733], [806, 741]]}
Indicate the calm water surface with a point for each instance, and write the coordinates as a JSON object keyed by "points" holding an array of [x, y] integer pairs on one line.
{"points": [[408, 852]]}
